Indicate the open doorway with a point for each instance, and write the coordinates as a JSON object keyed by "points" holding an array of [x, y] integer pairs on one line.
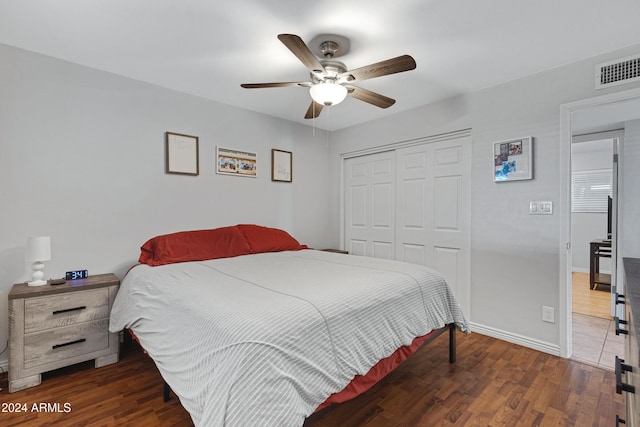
{"points": [[593, 202], [619, 110], [593, 199]]}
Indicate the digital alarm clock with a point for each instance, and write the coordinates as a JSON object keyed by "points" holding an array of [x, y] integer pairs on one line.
{"points": [[76, 274]]}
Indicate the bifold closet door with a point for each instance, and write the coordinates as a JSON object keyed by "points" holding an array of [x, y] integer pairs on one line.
{"points": [[413, 204], [369, 205], [433, 215]]}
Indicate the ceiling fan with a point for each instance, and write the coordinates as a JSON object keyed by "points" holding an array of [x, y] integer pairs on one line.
{"points": [[330, 79]]}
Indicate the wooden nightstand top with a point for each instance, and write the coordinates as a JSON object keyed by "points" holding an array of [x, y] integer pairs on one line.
{"points": [[22, 290]]}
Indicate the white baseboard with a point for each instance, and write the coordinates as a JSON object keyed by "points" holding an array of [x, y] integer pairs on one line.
{"points": [[535, 344]]}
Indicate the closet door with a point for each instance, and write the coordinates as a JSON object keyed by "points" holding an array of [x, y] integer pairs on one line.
{"points": [[413, 204], [433, 216], [369, 186]]}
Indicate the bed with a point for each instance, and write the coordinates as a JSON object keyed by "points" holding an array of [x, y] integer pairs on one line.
{"points": [[250, 328]]}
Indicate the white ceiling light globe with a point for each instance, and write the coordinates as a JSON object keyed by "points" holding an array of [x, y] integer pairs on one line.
{"points": [[328, 93]]}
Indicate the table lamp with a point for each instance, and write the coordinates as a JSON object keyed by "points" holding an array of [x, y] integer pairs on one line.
{"points": [[38, 251]]}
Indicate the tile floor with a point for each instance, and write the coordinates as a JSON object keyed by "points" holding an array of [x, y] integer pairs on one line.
{"points": [[595, 341]]}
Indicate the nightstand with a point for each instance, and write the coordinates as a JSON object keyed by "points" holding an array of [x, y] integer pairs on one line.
{"points": [[51, 327]]}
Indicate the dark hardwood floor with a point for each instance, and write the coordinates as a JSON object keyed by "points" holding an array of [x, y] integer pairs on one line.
{"points": [[128, 393], [493, 383]]}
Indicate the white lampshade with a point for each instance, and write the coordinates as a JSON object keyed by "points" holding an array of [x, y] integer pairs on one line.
{"points": [[38, 251], [328, 93], [39, 248]]}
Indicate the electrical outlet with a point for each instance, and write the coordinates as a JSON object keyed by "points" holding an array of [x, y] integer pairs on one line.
{"points": [[548, 314]]}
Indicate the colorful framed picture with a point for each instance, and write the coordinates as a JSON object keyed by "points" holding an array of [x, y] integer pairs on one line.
{"points": [[281, 163], [513, 160], [236, 162]]}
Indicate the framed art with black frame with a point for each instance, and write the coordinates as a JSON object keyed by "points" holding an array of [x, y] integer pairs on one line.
{"points": [[281, 165]]}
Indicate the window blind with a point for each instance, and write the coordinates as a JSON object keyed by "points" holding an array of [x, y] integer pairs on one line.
{"points": [[589, 190]]}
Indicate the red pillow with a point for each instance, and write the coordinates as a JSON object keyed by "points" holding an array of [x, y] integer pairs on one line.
{"points": [[197, 245], [265, 239]]}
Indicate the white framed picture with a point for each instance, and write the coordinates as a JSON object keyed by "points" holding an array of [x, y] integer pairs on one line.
{"points": [[182, 154]]}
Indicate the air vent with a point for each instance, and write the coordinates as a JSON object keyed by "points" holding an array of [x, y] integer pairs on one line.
{"points": [[620, 71]]}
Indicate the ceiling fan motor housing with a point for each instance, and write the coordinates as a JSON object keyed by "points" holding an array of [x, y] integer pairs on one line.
{"points": [[332, 67]]}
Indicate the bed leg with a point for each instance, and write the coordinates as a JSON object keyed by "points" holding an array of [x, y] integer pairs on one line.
{"points": [[166, 392], [452, 343], [126, 338]]}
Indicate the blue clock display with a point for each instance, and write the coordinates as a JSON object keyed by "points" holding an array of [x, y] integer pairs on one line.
{"points": [[76, 274]]}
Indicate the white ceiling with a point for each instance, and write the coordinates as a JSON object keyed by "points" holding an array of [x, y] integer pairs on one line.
{"points": [[208, 47]]}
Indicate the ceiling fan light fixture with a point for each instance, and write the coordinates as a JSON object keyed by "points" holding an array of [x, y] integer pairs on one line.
{"points": [[328, 93], [331, 80]]}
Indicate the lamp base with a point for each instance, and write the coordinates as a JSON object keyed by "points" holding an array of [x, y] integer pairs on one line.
{"points": [[37, 283], [37, 275]]}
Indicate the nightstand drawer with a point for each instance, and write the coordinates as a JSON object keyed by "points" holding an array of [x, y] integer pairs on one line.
{"points": [[65, 309], [63, 343]]}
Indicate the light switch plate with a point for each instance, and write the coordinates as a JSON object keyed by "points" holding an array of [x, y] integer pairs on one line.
{"points": [[541, 208]]}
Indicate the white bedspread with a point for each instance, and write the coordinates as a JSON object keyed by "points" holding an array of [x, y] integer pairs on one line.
{"points": [[262, 340]]}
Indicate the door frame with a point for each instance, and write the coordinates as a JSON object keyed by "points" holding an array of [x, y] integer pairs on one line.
{"points": [[566, 112]]}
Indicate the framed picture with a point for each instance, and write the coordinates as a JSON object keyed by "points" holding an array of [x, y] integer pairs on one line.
{"points": [[236, 162], [513, 160], [281, 165], [182, 154]]}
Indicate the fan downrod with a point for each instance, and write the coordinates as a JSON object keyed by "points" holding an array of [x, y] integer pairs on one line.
{"points": [[333, 44]]}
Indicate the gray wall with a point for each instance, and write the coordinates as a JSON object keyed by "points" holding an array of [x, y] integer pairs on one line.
{"points": [[514, 255], [82, 160]]}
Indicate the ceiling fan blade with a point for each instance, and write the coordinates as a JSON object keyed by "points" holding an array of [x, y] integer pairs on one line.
{"points": [[302, 52], [281, 84], [313, 111], [379, 69], [372, 98]]}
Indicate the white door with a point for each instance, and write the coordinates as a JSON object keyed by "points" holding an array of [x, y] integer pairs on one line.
{"points": [[413, 204], [369, 196], [617, 286], [433, 210]]}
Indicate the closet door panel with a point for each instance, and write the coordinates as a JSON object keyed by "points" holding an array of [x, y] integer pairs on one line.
{"points": [[412, 205], [369, 189], [433, 210]]}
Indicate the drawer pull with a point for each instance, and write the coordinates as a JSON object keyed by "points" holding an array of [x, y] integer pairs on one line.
{"points": [[618, 323], [620, 369], [81, 340], [619, 299], [619, 421], [67, 310]]}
